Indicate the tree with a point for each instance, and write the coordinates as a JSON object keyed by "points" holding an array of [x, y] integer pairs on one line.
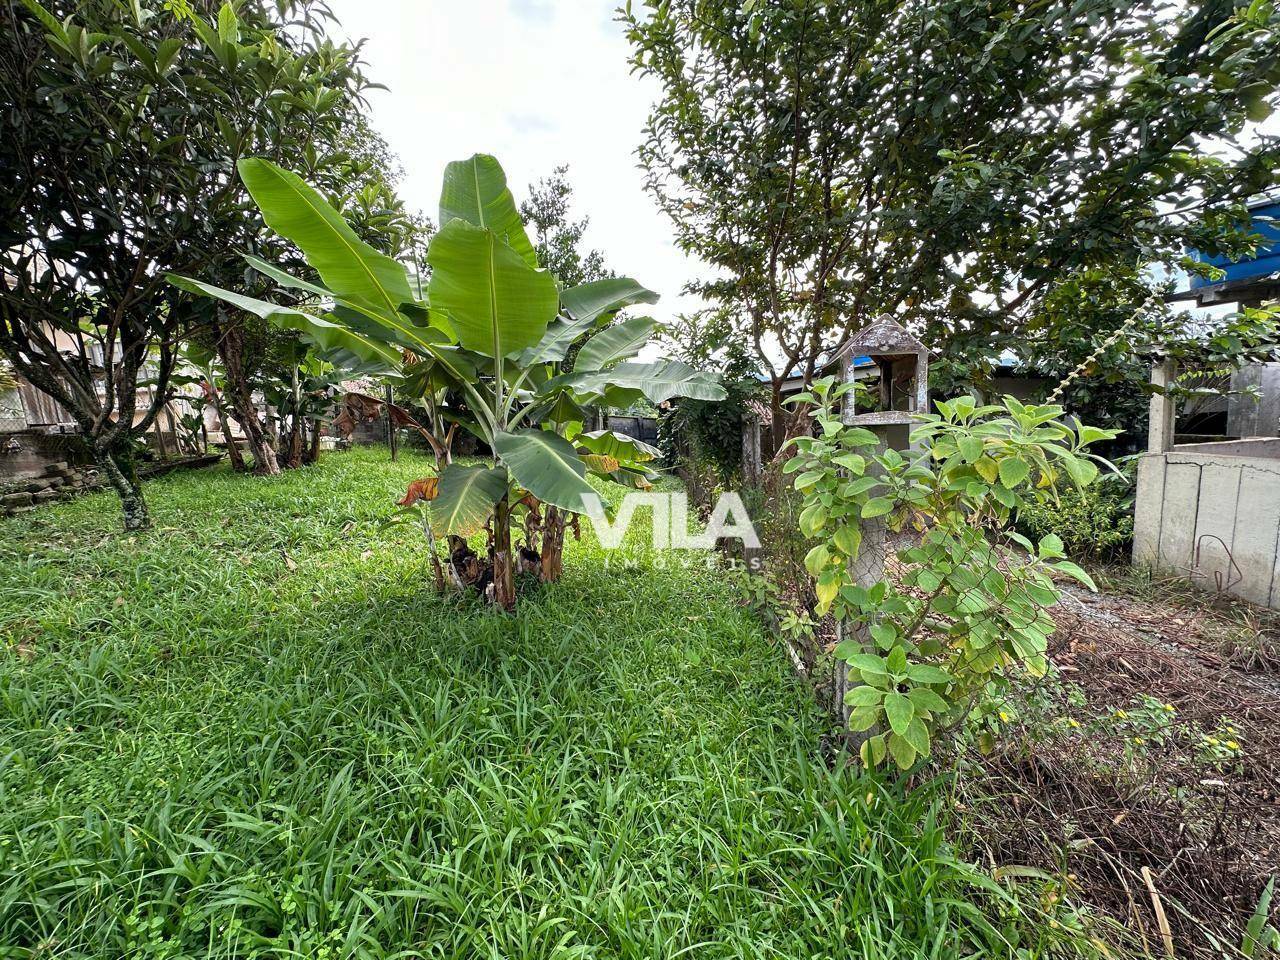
{"points": [[494, 325], [556, 238], [950, 161], [122, 126]]}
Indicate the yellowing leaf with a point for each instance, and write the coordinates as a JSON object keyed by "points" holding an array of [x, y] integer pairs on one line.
{"points": [[597, 463]]}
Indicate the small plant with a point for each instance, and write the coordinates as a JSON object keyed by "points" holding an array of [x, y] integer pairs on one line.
{"points": [[1093, 523], [930, 648], [1221, 749]]}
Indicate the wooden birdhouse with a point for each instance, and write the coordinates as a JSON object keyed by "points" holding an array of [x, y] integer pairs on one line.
{"points": [[903, 362]]}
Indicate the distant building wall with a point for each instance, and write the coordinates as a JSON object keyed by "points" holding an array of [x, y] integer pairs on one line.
{"points": [[1211, 512]]}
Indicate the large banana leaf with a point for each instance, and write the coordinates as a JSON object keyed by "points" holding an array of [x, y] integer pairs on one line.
{"points": [[465, 498], [351, 268], [400, 334], [610, 443], [560, 410], [555, 343], [657, 381], [638, 478], [546, 465], [494, 302], [286, 280], [589, 301], [475, 190], [326, 335], [619, 342]]}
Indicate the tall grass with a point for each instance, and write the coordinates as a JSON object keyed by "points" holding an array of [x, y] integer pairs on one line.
{"points": [[256, 732]]}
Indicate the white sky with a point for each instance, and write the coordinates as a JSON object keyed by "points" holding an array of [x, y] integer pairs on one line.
{"points": [[536, 83]]}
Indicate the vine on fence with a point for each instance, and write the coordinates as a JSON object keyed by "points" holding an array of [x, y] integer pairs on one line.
{"points": [[970, 605]]}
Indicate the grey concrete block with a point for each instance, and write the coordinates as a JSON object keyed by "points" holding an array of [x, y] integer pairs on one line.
{"points": [[1215, 521], [1178, 526], [1256, 534], [1148, 510], [1259, 416]]}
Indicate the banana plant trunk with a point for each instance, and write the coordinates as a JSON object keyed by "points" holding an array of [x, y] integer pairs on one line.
{"points": [[313, 447], [552, 545], [504, 580]]}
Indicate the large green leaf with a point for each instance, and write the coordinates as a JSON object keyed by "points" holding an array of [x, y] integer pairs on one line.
{"points": [[351, 268], [657, 381], [561, 410], [465, 498], [286, 280], [591, 300], [321, 332], [495, 303], [619, 342], [394, 328], [610, 443], [555, 343], [546, 465], [475, 190]]}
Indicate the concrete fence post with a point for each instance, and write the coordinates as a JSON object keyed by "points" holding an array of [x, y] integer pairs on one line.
{"points": [[1163, 407]]}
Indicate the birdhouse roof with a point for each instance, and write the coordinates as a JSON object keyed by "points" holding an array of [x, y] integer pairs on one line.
{"points": [[884, 337]]}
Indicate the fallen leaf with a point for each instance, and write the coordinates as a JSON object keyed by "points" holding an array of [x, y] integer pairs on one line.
{"points": [[289, 561]]}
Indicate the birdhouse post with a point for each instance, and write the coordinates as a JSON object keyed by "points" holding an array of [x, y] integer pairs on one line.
{"points": [[903, 362]]}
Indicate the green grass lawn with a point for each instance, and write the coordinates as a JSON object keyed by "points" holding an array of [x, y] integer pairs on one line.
{"points": [[255, 731]]}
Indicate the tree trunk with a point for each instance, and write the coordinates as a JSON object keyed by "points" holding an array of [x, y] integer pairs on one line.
{"points": [[778, 417], [116, 463], [504, 581], [295, 424], [231, 350], [392, 434], [552, 545], [313, 448], [233, 448], [295, 443]]}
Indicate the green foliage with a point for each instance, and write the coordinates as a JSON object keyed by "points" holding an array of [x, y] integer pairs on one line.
{"points": [[123, 125], [492, 326], [557, 239], [254, 734], [710, 431], [971, 602], [839, 161], [1094, 522]]}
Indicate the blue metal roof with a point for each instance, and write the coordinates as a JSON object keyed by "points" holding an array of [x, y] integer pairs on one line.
{"points": [[1263, 263], [1251, 278]]}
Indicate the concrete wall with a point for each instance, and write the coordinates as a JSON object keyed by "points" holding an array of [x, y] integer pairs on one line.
{"points": [[1213, 517], [24, 456], [1255, 417]]}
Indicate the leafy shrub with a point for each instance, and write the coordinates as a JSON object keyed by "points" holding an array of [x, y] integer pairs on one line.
{"points": [[1094, 522], [969, 608]]}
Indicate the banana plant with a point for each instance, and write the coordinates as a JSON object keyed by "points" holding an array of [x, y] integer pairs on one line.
{"points": [[492, 326]]}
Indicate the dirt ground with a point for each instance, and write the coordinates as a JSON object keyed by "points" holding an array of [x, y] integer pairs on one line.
{"points": [[1145, 770]]}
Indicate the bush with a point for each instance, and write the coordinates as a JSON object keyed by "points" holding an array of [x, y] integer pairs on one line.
{"points": [[1094, 523]]}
